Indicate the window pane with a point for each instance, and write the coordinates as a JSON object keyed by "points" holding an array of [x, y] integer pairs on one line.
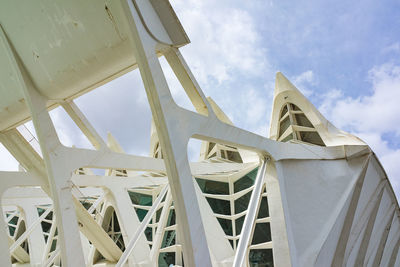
{"points": [[213, 187], [302, 120], [294, 107], [210, 147], [284, 111], [261, 258], [219, 206], [141, 213], [226, 226], [149, 233], [171, 218], [284, 125], [169, 239], [234, 156], [246, 181], [166, 259], [239, 224], [263, 212], [140, 199], [262, 233], [312, 137], [288, 138], [242, 203]]}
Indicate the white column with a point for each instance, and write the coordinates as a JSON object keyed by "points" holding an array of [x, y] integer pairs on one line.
{"points": [[173, 138], [5, 258], [129, 222], [35, 238], [55, 160]]}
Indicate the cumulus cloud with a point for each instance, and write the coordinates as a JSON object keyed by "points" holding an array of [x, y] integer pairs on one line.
{"points": [[218, 48], [67, 131], [121, 108], [373, 117], [303, 81], [7, 161], [395, 47], [228, 58], [377, 112]]}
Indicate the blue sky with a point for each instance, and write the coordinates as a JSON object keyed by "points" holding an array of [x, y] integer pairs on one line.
{"points": [[344, 56]]}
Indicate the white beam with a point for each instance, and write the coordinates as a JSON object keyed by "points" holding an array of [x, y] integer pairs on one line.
{"points": [[69, 238], [141, 228], [250, 218]]}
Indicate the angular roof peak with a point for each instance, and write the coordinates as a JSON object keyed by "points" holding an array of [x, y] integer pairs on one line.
{"points": [[283, 84]]}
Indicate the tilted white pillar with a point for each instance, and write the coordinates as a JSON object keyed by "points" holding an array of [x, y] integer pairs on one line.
{"points": [[175, 149]]}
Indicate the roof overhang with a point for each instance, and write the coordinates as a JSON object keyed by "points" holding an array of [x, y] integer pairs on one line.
{"points": [[71, 47]]}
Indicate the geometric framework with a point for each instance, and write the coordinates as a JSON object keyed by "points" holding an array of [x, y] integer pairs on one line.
{"points": [[295, 203]]}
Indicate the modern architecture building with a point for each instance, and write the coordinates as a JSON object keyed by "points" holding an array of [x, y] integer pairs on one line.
{"points": [[309, 195]]}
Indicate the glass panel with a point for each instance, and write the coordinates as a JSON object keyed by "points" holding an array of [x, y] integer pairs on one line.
{"points": [[242, 203], [40, 211], [140, 199], [116, 224], [141, 213], [263, 212], [239, 224], [302, 120], [11, 229], [171, 218], [14, 220], [45, 226], [165, 259], [234, 156], [246, 181], [213, 187], [169, 239], [262, 233], [49, 216], [312, 137], [284, 111], [261, 258], [231, 241], [288, 138], [294, 107], [284, 125], [226, 226], [148, 232], [219, 206], [112, 228], [53, 245], [210, 147], [158, 214], [86, 204]]}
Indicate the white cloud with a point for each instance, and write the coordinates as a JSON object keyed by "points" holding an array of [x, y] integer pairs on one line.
{"points": [[256, 110], [7, 161], [307, 76], [177, 91], [67, 131], [395, 47], [372, 117], [218, 48], [377, 112], [227, 56], [303, 82]]}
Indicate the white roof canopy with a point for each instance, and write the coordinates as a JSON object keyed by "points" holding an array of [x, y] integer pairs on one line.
{"points": [[71, 47]]}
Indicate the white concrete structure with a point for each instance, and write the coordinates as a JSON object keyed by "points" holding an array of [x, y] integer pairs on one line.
{"points": [[310, 195]]}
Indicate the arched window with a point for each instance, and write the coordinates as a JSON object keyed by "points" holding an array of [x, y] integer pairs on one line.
{"points": [[111, 225], [294, 125]]}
